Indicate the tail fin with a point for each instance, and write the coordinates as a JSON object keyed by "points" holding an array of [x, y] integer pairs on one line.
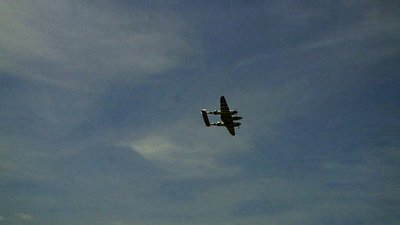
{"points": [[205, 117]]}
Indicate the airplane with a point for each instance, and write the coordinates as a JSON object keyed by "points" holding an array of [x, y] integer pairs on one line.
{"points": [[227, 116]]}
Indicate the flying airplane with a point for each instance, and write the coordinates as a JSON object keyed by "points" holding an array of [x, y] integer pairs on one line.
{"points": [[227, 116]]}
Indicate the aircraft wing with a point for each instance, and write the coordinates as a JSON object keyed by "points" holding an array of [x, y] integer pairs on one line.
{"points": [[231, 129], [226, 116], [224, 106]]}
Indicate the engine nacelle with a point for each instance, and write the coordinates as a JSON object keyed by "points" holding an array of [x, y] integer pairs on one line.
{"points": [[233, 112], [236, 124], [237, 117]]}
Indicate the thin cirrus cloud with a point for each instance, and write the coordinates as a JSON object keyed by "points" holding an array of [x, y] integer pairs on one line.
{"points": [[87, 41]]}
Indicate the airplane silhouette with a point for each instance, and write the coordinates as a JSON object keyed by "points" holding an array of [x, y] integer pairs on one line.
{"points": [[227, 116]]}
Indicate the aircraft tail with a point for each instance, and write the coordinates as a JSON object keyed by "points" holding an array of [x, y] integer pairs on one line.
{"points": [[205, 117]]}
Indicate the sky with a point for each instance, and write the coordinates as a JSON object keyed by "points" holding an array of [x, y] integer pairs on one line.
{"points": [[100, 112]]}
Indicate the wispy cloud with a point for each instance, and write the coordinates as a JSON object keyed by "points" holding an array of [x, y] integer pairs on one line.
{"points": [[76, 41], [364, 34], [186, 150], [63, 57], [24, 216]]}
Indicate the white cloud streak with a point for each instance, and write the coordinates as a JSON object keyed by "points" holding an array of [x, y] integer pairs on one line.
{"points": [[187, 150], [75, 41], [68, 53], [24, 216]]}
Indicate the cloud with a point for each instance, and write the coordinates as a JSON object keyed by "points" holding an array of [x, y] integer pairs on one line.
{"points": [[88, 142], [368, 37], [75, 179], [187, 150], [60, 59], [364, 33], [72, 42], [24, 216]]}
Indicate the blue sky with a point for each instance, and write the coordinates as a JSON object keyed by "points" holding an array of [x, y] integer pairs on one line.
{"points": [[100, 112]]}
